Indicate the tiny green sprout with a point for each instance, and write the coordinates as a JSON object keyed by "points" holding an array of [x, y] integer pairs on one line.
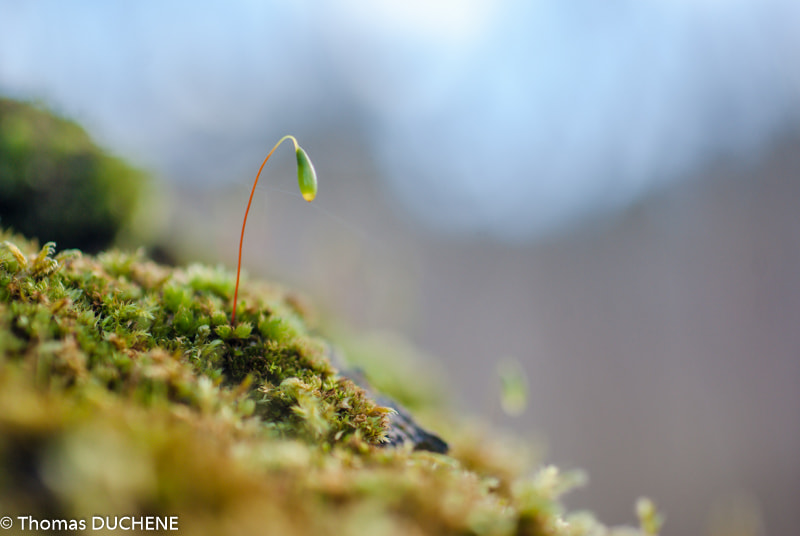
{"points": [[44, 264], [513, 387], [306, 180], [650, 519], [22, 261]]}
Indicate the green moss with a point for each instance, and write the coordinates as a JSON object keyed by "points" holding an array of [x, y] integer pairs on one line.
{"points": [[57, 184], [125, 391]]}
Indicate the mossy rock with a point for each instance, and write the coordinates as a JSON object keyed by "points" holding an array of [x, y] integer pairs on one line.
{"points": [[57, 184], [125, 391]]}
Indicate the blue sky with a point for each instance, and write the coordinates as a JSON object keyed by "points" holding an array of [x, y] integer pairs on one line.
{"points": [[510, 118]]}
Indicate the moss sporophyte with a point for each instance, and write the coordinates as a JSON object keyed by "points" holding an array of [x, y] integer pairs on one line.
{"points": [[306, 180]]}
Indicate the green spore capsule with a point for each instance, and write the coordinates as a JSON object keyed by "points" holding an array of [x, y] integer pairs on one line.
{"points": [[306, 176]]}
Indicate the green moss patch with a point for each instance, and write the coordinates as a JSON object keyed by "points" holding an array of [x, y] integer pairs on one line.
{"points": [[124, 390], [57, 184]]}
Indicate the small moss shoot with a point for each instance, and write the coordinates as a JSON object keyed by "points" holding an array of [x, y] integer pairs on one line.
{"points": [[306, 180]]}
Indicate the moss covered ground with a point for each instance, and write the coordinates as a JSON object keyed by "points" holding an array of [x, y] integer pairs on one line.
{"points": [[125, 391]]}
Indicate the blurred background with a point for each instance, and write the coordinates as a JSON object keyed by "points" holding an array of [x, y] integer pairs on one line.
{"points": [[606, 193]]}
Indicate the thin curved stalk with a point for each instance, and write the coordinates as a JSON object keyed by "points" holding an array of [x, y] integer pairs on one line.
{"points": [[307, 180]]}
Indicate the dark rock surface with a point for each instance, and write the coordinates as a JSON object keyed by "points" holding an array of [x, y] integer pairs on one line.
{"points": [[403, 428]]}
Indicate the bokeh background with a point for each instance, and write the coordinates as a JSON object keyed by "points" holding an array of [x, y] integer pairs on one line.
{"points": [[606, 193]]}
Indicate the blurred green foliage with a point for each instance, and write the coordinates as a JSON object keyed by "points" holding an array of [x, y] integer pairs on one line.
{"points": [[57, 184]]}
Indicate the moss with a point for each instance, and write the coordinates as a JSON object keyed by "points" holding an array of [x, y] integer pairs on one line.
{"points": [[125, 391], [57, 184]]}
